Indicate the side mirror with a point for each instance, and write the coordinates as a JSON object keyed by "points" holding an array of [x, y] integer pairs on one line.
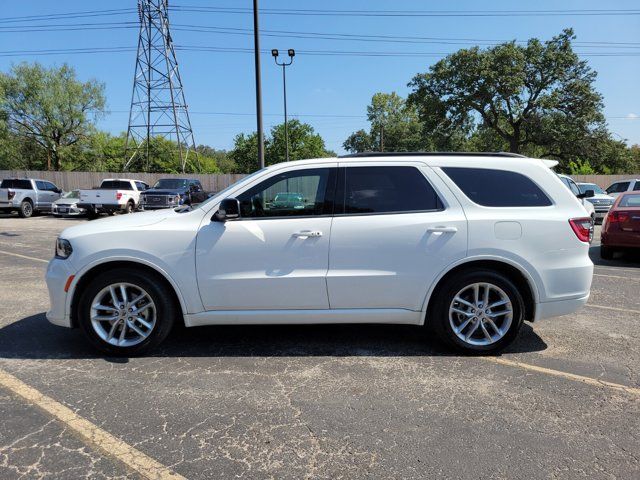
{"points": [[58, 190], [229, 210], [587, 194]]}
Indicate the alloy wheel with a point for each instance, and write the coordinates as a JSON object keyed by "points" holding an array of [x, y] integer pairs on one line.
{"points": [[123, 314], [480, 314]]}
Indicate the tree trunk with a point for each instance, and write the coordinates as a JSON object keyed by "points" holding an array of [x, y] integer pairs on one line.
{"points": [[514, 141]]}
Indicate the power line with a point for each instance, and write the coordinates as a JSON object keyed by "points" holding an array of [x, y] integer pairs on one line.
{"points": [[214, 49], [409, 13], [57, 16], [297, 34]]}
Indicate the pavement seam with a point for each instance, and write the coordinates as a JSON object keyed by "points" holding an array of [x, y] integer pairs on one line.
{"points": [[616, 276], [559, 373], [93, 435]]}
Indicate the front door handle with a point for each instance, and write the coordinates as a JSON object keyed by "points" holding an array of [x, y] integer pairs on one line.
{"points": [[442, 229], [307, 234]]}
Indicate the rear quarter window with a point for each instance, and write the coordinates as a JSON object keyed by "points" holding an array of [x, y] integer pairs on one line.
{"points": [[497, 188], [17, 184]]}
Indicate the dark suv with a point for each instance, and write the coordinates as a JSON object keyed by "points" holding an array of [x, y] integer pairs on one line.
{"points": [[173, 192]]}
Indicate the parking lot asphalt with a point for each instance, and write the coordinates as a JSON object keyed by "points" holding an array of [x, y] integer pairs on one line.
{"points": [[363, 401]]}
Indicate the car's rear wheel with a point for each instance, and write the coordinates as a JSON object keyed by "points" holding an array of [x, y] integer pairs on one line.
{"points": [[126, 312], [606, 252], [129, 208], [26, 209], [478, 312]]}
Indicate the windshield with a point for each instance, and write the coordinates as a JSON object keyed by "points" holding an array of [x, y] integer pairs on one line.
{"points": [[220, 195], [170, 183], [590, 186], [630, 200], [72, 194]]}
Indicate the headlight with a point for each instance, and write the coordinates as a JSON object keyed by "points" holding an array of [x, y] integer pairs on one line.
{"points": [[63, 248]]}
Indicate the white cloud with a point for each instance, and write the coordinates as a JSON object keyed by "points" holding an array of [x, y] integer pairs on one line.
{"points": [[632, 116]]}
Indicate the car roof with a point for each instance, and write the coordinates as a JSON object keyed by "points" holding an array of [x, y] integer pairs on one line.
{"points": [[463, 159]]}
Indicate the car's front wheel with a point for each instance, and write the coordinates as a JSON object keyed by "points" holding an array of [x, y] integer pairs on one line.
{"points": [[478, 312], [126, 312]]}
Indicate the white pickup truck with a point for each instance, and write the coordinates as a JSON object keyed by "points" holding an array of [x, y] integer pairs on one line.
{"points": [[113, 195]]}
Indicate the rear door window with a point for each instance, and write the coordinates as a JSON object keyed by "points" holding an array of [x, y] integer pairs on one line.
{"points": [[618, 187], [41, 185], [497, 188], [637, 187], [388, 189]]}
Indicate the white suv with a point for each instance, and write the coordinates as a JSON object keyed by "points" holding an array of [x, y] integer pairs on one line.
{"points": [[468, 244]]}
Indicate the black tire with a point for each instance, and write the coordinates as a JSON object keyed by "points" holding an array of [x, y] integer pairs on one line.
{"points": [[606, 253], [166, 309], [26, 209], [438, 317], [92, 213], [129, 208]]}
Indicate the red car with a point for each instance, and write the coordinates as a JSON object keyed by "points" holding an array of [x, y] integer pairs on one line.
{"points": [[621, 226]]}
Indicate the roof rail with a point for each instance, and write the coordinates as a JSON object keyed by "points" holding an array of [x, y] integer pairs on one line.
{"points": [[431, 154]]}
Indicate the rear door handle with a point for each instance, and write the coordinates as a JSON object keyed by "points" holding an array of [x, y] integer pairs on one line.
{"points": [[442, 229], [307, 234]]}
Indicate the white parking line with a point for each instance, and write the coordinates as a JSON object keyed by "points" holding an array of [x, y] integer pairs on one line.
{"points": [[23, 256], [615, 309], [90, 433]]}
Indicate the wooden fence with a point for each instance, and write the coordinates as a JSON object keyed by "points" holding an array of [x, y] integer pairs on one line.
{"points": [[211, 183], [72, 180]]}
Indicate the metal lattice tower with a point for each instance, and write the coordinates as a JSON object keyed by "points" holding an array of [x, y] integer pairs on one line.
{"points": [[158, 106]]}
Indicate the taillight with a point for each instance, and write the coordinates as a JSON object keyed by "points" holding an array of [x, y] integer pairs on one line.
{"points": [[583, 228], [617, 217], [118, 195], [10, 194]]}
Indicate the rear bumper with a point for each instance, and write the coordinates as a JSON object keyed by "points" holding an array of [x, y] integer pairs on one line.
{"points": [[559, 307]]}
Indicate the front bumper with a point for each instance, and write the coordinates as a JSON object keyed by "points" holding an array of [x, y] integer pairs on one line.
{"points": [[67, 210], [58, 272]]}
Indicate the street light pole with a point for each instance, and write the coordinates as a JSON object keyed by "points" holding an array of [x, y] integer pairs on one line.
{"points": [[291, 52], [256, 54]]}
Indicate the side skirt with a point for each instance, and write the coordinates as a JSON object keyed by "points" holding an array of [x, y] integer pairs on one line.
{"points": [[279, 317]]}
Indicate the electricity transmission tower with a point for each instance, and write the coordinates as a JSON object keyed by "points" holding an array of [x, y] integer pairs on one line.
{"points": [[158, 106]]}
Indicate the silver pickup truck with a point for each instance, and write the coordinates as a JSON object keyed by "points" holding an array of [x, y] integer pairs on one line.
{"points": [[27, 196]]}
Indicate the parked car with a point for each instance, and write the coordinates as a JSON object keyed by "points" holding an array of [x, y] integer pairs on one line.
{"points": [[173, 192], [67, 205], [621, 227], [112, 196], [470, 245], [27, 196], [630, 185], [288, 201], [583, 197], [601, 201]]}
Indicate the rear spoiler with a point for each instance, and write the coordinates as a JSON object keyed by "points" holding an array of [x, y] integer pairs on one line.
{"points": [[549, 163]]}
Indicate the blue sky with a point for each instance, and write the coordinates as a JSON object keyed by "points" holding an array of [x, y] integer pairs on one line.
{"points": [[330, 92]]}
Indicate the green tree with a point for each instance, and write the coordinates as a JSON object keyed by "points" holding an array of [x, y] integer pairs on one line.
{"points": [[50, 107], [303, 143], [538, 94], [395, 126]]}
